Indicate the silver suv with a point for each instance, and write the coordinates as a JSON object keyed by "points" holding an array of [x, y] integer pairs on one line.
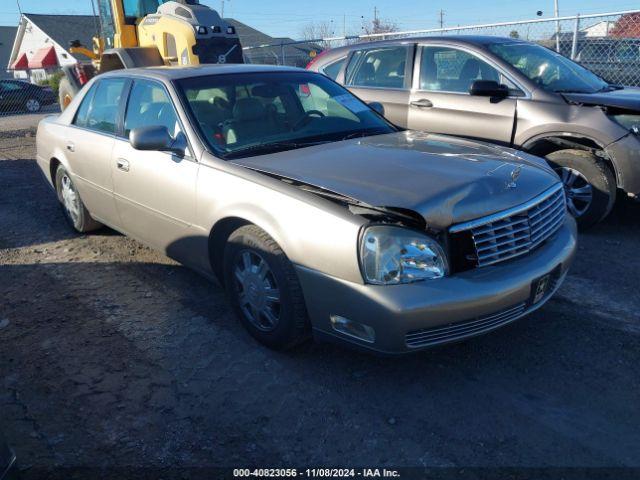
{"points": [[509, 92]]}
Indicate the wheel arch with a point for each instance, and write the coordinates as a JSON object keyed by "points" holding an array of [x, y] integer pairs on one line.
{"points": [[544, 144], [218, 236], [54, 164]]}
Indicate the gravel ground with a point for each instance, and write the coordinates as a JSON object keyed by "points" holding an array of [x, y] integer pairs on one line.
{"points": [[113, 355]]}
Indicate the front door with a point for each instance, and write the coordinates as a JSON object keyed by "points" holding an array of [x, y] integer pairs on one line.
{"points": [[440, 101], [155, 191], [383, 74]]}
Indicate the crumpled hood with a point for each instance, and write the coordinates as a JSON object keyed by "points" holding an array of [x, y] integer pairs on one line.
{"points": [[445, 179], [627, 98]]}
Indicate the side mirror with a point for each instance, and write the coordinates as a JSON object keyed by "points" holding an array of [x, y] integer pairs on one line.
{"points": [[377, 107], [488, 88], [157, 137]]}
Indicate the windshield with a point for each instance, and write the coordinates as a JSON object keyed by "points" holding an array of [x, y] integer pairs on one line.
{"points": [[252, 113], [549, 69]]}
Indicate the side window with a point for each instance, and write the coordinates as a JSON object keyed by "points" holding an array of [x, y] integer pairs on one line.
{"points": [[82, 115], [378, 67], [150, 105], [333, 69], [105, 105], [10, 86], [444, 69]]}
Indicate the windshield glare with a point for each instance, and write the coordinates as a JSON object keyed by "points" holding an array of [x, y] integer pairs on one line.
{"points": [[549, 69], [248, 114]]}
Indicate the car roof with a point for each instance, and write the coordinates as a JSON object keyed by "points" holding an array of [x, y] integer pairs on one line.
{"points": [[476, 40], [176, 73]]}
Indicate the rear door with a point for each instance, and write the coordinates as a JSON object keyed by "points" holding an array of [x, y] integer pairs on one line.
{"points": [[440, 101], [89, 143], [383, 74], [155, 191]]}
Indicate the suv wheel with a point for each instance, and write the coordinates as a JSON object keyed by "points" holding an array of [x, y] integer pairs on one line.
{"points": [[589, 185], [264, 290]]}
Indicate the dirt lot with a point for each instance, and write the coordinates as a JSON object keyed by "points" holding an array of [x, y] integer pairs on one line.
{"points": [[112, 355]]}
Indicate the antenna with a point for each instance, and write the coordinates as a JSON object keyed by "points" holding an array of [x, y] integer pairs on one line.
{"points": [[441, 18], [19, 8]]}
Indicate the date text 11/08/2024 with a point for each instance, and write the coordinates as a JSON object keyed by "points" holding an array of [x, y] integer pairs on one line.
{"points": [[316, 473]]}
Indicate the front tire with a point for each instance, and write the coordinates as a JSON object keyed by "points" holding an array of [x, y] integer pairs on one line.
{"points": [[263, 289], [74, 210], [589, 185]]}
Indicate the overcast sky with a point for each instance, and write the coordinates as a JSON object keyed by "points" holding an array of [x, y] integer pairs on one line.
{"points": [[287, 17]]}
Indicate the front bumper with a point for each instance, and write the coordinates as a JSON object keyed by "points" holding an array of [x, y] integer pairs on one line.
{"points": [[625, 154], [414, 316]]}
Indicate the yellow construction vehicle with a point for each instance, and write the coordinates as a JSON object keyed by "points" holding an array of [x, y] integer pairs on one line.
{"points": [[143, 33]]}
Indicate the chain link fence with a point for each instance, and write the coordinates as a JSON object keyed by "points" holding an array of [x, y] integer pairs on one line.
{"points": [[608, 44], [22, 104]]}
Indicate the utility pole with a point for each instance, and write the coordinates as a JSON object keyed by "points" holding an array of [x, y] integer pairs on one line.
{"points": [[441, 18], [556, 11], [222, 9]]}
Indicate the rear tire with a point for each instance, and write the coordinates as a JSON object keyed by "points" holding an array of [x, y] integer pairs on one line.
{"points": [[32, 105], [74, 210], [590, 185], [65, 93], [263, 289]]}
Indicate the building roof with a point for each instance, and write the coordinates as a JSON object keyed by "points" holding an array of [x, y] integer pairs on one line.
{"points": [[44, 58], [63, 29], [7, 36]]}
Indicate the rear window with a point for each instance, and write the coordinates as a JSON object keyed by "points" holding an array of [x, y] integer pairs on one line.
{"points": [[333, 69]]}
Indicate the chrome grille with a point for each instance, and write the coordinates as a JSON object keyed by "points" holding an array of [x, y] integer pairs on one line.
{"points": [[456, 331], [516, 231]]}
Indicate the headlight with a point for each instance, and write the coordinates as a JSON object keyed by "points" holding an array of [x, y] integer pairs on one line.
{"points": [[630, 122], [393, 255]]}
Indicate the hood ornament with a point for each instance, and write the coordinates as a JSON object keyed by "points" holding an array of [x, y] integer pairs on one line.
{"points": [[515, 174]]}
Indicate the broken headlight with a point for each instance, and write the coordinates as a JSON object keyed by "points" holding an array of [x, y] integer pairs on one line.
{"points": [[392, 255], [629, 121]]}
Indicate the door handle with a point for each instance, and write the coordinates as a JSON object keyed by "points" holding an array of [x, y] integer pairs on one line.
{"points": [[71, 147], [422, 103], [123, 164]]}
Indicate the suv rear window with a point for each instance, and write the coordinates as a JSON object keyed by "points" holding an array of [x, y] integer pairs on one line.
{"points": [[333, 69], [382, 67]]}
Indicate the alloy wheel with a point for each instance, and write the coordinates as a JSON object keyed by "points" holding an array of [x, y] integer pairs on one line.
{"points": [[578, 191], [257, 290]]}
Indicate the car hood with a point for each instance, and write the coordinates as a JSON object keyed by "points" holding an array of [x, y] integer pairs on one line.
{"points": [[627, 98], [444, 179]]}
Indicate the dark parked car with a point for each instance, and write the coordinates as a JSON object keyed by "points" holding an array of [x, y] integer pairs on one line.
{"points": [[19, 95], [512, 93]]}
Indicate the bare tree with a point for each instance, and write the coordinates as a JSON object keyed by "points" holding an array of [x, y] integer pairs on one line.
{"points": [[318, 31], [379, 25]]}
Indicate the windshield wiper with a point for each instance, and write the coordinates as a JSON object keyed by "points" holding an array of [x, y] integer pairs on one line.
{"points": [[361, 134], [610, 88], [264, 148], [566, 90]]}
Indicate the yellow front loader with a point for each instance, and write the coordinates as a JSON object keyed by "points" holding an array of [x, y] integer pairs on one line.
{"points": [[143, 33]]}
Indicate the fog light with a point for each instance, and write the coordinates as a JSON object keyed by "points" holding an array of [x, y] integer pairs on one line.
{"points": [[353, 329]]}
